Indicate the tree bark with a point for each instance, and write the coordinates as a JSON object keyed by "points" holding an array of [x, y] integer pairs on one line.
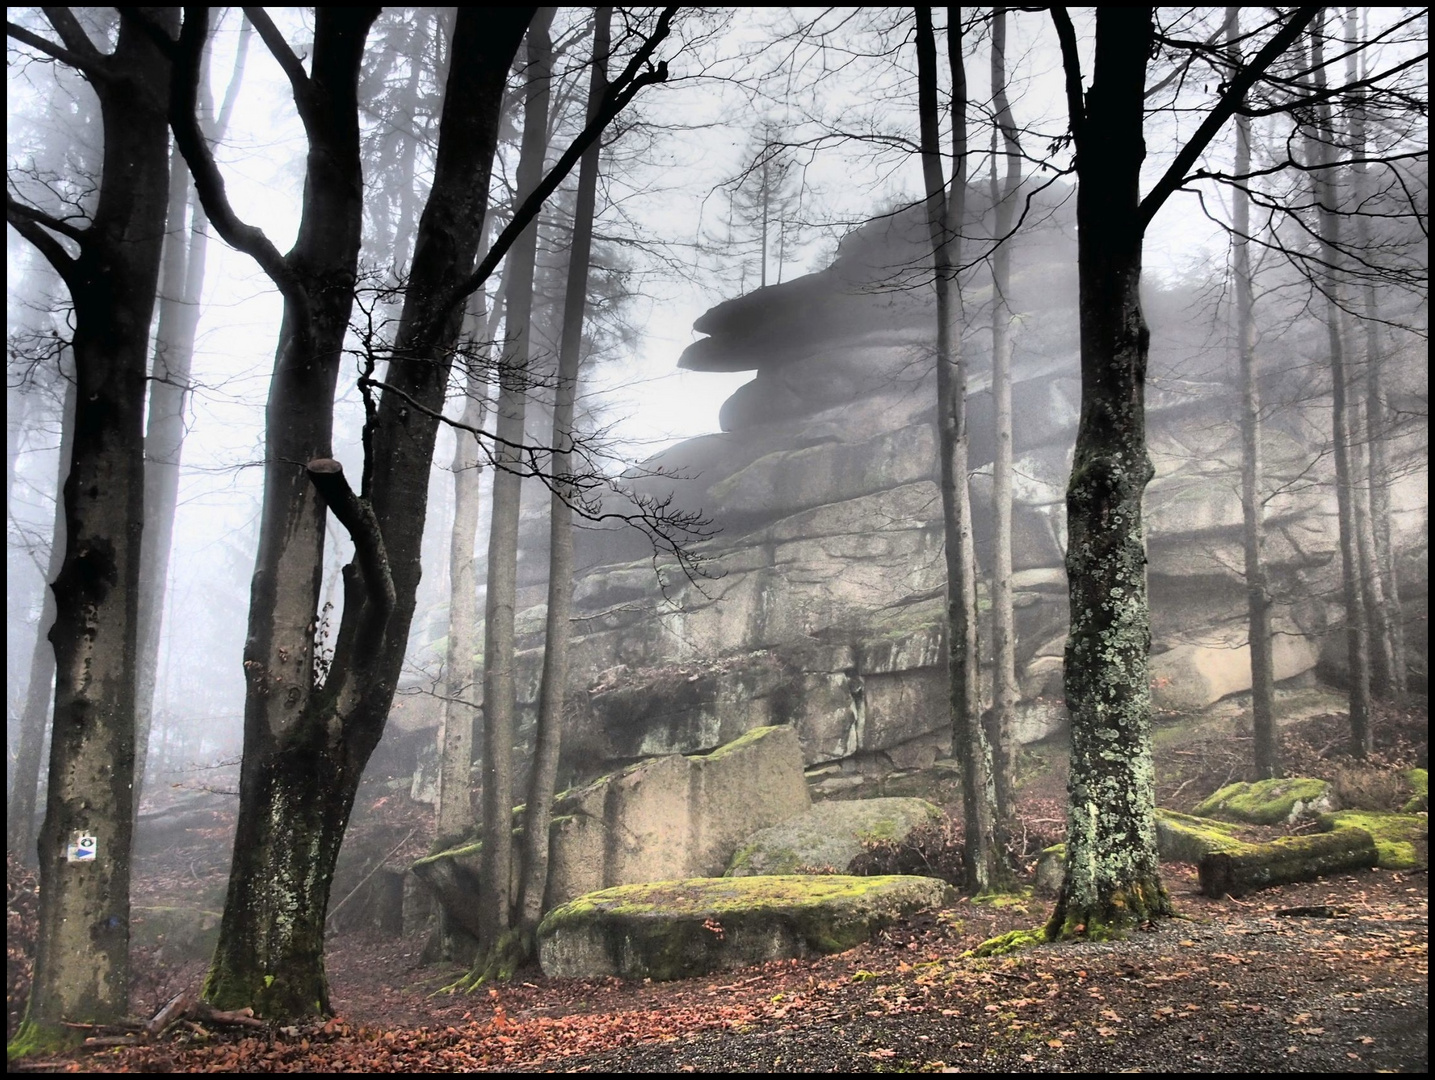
{"points": [[1318, 149], [316, 779], [82, 957], [1004, 682], [1112, 877], [499, 693], [553, 687], [982, 856], [1258, 600], [24, 787]]}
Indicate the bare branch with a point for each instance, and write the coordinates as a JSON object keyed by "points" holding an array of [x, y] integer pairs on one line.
{"points": [[279, 48], [73, 34], [28, 222], [357, 516], [619, 93], [208, 181], [92, 65], [1223, 111], [1071, 65]]}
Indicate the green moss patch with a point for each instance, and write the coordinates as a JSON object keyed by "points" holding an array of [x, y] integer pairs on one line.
{"points": [[1269, 802], [753, 736], [1010, 942], [1419, 781], [1186, 838], [677, 929], [1402, 841]]}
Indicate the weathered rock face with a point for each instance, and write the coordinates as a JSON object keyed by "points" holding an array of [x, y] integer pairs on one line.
{"points": [[674, 816], [662, 818], [826, 608], [830, 835]]}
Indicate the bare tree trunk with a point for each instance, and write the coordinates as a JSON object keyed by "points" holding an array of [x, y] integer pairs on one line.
{"points": [[270, 951], [766, 195], [455, 789], [1258, 600], [408, 200], [1378, 563], [1004, 683], [1357, 639], [1390, 622], [82, 958], [20, 814], [181, 286], [1372, 584], [945, 209], [560, 567], [499, 694]]}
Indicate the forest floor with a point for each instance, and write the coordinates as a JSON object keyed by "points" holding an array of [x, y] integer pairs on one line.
{"points": [[1324, 976]]}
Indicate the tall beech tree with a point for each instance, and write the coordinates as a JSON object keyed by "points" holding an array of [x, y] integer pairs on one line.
{"points": [[310, 731], [1387, 623], [500, 704], [1112, 878], [983, 858], [1004, 202], [533, 880], [295, 787], [1258, 596], [111, 268], [1320, 155]]}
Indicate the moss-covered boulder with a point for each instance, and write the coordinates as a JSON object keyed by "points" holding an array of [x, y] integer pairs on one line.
{"points": [[1186, 838], [831, 834], [1270, 802], [1050, 870], [1238, 871], [1179, 838], [1402, 841], [677, 929]]}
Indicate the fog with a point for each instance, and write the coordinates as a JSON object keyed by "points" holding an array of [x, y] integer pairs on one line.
{"points": [[828, 99]]}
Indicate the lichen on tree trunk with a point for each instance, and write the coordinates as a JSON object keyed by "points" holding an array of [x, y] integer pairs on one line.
{"points": [[1112, 879]]}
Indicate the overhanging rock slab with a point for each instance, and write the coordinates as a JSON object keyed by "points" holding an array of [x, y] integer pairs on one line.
{"points": [[678, 929]]}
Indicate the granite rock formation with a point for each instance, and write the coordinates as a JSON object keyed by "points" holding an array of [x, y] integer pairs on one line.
{"points": [[826, 613]]}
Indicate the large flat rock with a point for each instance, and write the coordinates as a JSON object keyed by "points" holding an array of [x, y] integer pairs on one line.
{"points": [[831, 834], [678, 929]]}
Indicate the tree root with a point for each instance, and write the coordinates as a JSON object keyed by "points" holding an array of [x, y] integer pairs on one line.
{"points": [[498, 963]]}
